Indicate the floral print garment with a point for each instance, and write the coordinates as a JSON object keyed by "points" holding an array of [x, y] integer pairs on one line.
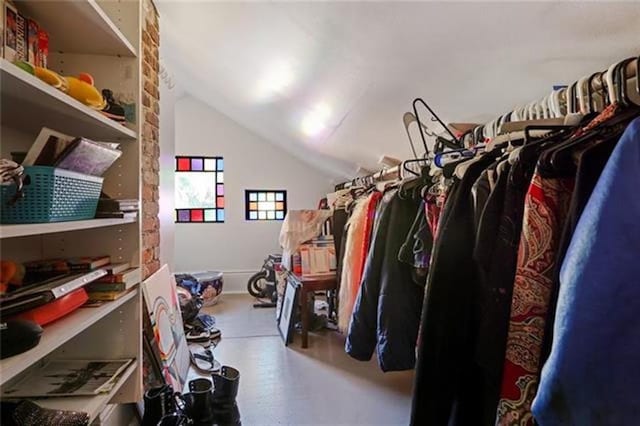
{"points": [[546, 205]]}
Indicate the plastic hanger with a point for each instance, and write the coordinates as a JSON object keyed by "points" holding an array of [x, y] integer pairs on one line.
{"points": [[407, 119], [623, 92], [561, 158], [611, 89], [583, 104]]}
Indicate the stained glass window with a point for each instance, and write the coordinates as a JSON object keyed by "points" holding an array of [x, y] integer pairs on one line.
{"points": [[263, 204], [199, 196]]}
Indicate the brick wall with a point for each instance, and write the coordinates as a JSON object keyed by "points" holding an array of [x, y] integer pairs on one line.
{"points": [[150, 161]]}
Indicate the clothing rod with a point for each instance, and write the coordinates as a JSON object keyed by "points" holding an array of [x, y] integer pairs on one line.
{"points": [[630, 72]]}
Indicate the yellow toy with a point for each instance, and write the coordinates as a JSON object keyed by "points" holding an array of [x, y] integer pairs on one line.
{"points": [[85, 93], [80, 88], [51, 78]]}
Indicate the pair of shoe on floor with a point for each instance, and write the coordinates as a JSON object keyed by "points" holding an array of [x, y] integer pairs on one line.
{"points": [[203, 337], [201, 329], [206, 404]]}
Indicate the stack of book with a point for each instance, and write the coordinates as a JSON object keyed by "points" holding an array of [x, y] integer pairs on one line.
{"points": [[119, 280], [117, 208], [49, 268]]}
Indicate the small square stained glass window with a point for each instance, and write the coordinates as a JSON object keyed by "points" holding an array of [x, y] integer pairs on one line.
{"points": [[199, 187], [265, 204]]}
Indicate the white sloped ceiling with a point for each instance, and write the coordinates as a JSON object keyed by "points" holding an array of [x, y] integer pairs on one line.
{"points": [[329, 82]]}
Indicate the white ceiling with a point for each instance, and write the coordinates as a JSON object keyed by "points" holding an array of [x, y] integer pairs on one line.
{"points": [[269, 65]]}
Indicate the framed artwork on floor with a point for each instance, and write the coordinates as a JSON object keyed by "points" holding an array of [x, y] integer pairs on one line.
{"points": [[288, 307], [166, 321]]}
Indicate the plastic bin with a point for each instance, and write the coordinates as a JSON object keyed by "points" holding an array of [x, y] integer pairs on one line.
{"points": [[52, 195]]}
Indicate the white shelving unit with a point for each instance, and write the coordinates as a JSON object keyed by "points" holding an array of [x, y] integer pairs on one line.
{"points": [[12, 231], [59, 333], [103, 38], [93, 30], [93, 405], [25, 92]]}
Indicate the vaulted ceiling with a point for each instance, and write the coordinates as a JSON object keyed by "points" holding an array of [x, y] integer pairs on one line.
{"points": [[329, 82]]}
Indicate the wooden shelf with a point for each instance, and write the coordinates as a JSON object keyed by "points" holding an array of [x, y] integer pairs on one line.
{"points": [[23, 230], [92, 405], [57, 334], [27, 100], [78, 26]]}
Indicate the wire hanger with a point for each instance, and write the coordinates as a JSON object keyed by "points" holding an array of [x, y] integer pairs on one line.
{"points": [[405, 164], [440, 141]]}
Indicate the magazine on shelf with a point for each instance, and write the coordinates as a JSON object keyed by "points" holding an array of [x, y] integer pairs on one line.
{"points": [[69, 378], [88, 157]]}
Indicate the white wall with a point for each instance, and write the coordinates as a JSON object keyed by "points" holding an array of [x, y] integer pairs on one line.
{"points": [[237, 247]]}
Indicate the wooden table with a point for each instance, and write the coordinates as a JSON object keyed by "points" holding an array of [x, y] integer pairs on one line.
{"points": [[309, 285]]}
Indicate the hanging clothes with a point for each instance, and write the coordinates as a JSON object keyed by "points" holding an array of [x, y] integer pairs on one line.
{"points": [[434, 204], [596, 327], [590, 160], [546, 207], [353, 260], [496, 254], [445, 341], [386, 315], [546, 204], [416, 250]]}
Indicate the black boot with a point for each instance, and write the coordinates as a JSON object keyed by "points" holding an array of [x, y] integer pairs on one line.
{"points": [[199, 402], [158, 402], [175, 419], [225, 391]]}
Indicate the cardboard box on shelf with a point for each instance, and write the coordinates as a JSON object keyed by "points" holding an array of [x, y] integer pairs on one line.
{"points": [[2, 27], [32, 42], [43, 48], [21, 37], [10, 31]]}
